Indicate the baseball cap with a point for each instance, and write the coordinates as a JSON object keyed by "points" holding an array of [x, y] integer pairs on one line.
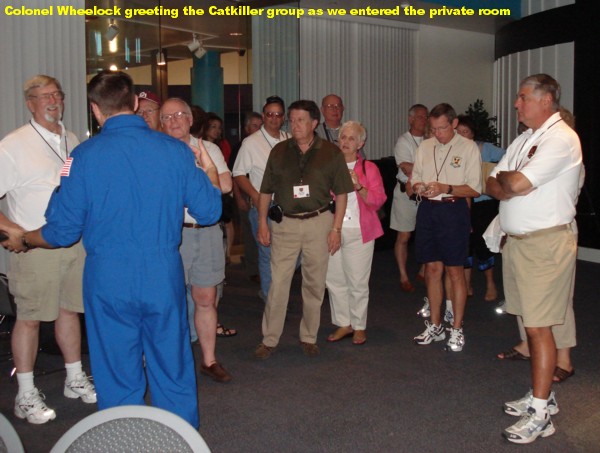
{"points": [[150, 96]]}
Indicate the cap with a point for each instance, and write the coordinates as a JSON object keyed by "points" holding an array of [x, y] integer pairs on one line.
{"points": [[150, 96]]}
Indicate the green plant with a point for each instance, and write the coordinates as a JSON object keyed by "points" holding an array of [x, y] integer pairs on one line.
{"points": [[485, 125]]}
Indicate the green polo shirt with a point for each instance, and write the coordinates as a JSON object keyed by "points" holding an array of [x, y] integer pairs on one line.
{"points": [[322, 168]]}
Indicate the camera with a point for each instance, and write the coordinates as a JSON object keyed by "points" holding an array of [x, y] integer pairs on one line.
{"points": [[276, 213]]}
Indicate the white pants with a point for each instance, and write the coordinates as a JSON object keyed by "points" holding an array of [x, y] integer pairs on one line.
{"points": [[348, 280]]}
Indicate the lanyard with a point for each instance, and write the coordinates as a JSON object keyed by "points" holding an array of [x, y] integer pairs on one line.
{"points": [[437, 173], [518, 165], [50, 146], [302, 162]]}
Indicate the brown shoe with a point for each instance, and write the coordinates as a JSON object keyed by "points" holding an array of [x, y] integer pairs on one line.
{"points": [[216, 372], [407, 287], [263, 351], [359, 337], [309, 349]]}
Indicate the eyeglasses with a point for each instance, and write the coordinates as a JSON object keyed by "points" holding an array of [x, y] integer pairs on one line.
{"points": [[145, 112], [334, 106], [170, 116], [439, 129], [274, 114], [56, 95]]}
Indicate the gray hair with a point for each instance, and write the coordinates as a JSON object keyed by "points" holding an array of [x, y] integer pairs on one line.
{"points": [[546, 85], [39, 81], [362, 132]]}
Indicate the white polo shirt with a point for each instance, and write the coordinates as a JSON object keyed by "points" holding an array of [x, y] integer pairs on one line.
{"points": [[31, 158], [404, 151], [216, 155], [550, 158], [253, 155]]}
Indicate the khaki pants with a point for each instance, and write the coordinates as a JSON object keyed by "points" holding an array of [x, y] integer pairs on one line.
{"points": [[288, 239]]}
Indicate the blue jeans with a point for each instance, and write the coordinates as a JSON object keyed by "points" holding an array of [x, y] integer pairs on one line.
{"points": [[264, 253]]}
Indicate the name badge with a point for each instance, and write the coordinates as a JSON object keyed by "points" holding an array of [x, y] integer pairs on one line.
{"points": [[301, 191]]}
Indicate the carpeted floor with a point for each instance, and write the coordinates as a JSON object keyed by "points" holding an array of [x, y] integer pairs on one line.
{"points": [[388, 395]]}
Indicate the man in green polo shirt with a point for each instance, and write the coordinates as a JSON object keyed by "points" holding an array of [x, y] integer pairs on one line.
{"points": [[300, 176]]}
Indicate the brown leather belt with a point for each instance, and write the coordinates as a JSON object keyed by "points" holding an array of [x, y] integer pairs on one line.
{"points": [[307, 215], [196, 226], [443, 200], [540, 232]]}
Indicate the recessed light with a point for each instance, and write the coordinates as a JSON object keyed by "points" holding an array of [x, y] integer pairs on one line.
{"points": [[236, 34]]}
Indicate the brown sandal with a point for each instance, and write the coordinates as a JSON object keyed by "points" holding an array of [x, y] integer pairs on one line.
{"points": [[561, 375], [512, 354]]}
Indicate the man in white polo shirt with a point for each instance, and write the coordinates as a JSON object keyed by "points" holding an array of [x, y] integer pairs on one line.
{"points": [[46, 284], [249, 169], [202, 245], [538, 182]]}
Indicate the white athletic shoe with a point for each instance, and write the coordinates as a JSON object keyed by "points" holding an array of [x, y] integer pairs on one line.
{"points": [[529, 428], [32, 407], [430, 334], [519, 407], [81, 387]]}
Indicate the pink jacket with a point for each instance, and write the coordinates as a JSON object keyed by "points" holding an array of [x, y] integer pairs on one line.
{"points": [[370, 226]]}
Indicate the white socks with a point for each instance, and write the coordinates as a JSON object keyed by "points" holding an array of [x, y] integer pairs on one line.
{"points": [[73, 369], [540, 406], [25, 381]]}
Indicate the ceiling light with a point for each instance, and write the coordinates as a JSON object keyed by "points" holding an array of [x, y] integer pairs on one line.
{"points": [[160, 58], [194, 45], [113, 67], [200, 52], [112, 31]]}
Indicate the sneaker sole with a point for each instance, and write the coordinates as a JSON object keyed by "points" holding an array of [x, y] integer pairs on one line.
{"points": [[527, 440], [425, 343], [35, 421], [69, 393]]}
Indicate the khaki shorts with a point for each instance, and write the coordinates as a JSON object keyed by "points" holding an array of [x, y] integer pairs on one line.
{"points": [[539, 274], [42, 280], [403, 216]]}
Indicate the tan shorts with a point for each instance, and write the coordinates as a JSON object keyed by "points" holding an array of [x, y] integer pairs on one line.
{"points": [[403, 216], [539, 274], [42, 280]]}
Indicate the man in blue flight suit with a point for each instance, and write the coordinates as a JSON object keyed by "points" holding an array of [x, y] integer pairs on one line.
{"points": [[124, 191]]}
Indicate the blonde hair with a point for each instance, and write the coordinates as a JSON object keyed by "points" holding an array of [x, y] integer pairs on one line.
{"points": [[39, 81]]}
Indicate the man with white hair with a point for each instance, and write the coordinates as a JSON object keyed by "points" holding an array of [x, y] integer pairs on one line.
{"points": [[46, 284], [202, 245]]}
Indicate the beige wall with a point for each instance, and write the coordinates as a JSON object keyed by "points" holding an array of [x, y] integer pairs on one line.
{"points": [[454, 66]]}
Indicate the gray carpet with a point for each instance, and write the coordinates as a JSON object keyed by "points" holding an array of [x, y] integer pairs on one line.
{"points": [[388, 395]]}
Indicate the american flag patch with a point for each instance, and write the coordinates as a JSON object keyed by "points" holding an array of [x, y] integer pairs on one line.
{"points": [[66, 169]]}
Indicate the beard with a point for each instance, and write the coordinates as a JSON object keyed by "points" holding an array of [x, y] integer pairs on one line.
{"points": [[53, 114]]}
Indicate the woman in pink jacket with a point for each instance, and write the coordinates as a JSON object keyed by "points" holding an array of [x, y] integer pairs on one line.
{"points": [[350, 268]]}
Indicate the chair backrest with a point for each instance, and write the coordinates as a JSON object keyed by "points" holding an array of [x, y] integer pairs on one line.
{"points": [[131, 428], [10, 441]]}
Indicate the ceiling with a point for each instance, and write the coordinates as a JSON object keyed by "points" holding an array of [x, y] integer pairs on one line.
{"points": [[142, 32]]}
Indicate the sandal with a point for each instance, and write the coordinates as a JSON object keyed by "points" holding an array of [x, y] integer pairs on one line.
{"points": [[224, 332], [512, 354], [561, 375]]}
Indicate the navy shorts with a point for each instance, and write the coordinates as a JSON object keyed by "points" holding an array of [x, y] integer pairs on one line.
{"points": [[442, 232]]}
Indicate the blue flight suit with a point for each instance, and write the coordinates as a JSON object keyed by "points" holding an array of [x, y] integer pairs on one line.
{"points": [[125, 193]]}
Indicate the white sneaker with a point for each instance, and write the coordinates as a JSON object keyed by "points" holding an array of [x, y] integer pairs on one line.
{"points": [[449, 313], [425, 311], [529, 428], [519, 407], [456, 341], [501, 307], [32, 407], [430, 334], [81, 387]]}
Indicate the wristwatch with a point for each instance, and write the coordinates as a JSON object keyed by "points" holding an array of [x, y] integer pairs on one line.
{"points": [[25, 244], [449, 191]]}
